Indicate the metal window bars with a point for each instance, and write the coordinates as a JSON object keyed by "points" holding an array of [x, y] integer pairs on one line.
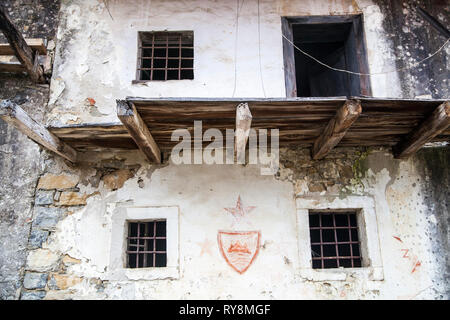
{"points": [[146, 243], [165, 56], [334, 240]]}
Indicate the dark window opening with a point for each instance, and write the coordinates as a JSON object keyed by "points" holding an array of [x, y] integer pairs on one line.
{"points": [[146, 245], [337, 41], [334, 240], [165, 56]]}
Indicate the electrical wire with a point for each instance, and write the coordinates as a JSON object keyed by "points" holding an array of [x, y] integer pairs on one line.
{"points": [[365, 74]]}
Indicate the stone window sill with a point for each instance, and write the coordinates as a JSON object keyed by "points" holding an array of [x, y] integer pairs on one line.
{"points": [[341, 274], [124, 274]]}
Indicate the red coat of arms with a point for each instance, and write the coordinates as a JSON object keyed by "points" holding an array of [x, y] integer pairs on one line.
{"points": [[239, 248]]}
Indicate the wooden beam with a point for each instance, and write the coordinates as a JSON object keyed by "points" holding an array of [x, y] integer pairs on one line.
{"points": [[336, 128], [35, 44], [27, 57], [425, 132], [243, 123], [16, 116], [138, 130]]}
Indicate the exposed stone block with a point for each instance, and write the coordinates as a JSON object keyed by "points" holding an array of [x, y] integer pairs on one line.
{"points": [[316, 187], [62, 181], [37, 237], [68, 260], [46, 217], [42, 260], [63, 281], [116, 179], [34, 280], [43, 198], [72, 199], [32, 295]]}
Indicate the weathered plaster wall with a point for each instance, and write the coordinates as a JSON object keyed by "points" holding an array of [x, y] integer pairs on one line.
{"points": [[20, 158], [96, 53], [415, 42], [81, 205], [434, 166], [75, 208]]}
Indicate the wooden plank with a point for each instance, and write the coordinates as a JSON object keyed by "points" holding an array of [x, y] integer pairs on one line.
{"points": [[430, 128], [35, 44], [12, 68], [138, 130], [243, 124], [336, 128], [26, 55], [15, 115], [384, 122]]}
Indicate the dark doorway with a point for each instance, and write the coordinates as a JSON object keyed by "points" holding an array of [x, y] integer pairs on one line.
{"points": [[337, 41]]}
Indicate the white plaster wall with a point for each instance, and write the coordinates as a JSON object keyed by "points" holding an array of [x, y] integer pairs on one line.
{"points": [[96, 54], [201, 193], [96, 58]]}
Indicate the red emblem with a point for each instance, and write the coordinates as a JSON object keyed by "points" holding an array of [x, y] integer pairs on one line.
{"points": [[239, 248]]}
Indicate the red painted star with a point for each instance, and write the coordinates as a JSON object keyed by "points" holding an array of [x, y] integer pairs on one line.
{"points": [[239, 210]]}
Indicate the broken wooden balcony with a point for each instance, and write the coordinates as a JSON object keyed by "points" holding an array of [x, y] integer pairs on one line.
{"points": [[21, 55], [318, 123], [6, 51]]}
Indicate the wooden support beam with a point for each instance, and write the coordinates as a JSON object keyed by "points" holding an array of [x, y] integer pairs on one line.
{"points": [[35, 44], [138, 130], [243, 124], [336, 128], [15, 115], [27, 57], [425, 132]]}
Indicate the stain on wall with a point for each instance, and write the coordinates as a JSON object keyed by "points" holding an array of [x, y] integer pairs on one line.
{"points": [[413, 39]]}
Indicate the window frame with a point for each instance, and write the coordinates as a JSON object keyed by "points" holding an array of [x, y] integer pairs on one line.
{"points": [[139, 238], [364, 206], [118, 269], [357, 21], [335, 229], [141, 34]]}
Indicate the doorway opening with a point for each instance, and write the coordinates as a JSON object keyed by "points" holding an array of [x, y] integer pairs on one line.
{"points": [[337, 41]]}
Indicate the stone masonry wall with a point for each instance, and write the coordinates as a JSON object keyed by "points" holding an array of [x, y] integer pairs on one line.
{"points": [[20, 158], [58, 196]]}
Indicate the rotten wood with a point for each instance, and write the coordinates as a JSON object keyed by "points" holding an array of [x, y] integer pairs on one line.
{"points": [[384, 122], [243, 124], [12, 68], [24, 53], [336, 128], [138, 130], [16, 116], [435, 124]]}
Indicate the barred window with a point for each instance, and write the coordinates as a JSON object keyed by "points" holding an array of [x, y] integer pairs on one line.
{"points": [[334, 240], [165, 56], [146, 244]]}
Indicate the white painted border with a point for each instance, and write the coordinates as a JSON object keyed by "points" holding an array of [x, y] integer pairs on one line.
{"points": [[117, 269], [372, 268]]}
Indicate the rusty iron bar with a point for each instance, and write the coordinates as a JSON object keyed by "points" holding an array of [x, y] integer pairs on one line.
{"points": [[337, 242], [167, 43], [141, 245]]}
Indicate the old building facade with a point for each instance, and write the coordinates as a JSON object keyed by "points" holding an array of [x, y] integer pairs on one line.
{"points": [[66, 226]]}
